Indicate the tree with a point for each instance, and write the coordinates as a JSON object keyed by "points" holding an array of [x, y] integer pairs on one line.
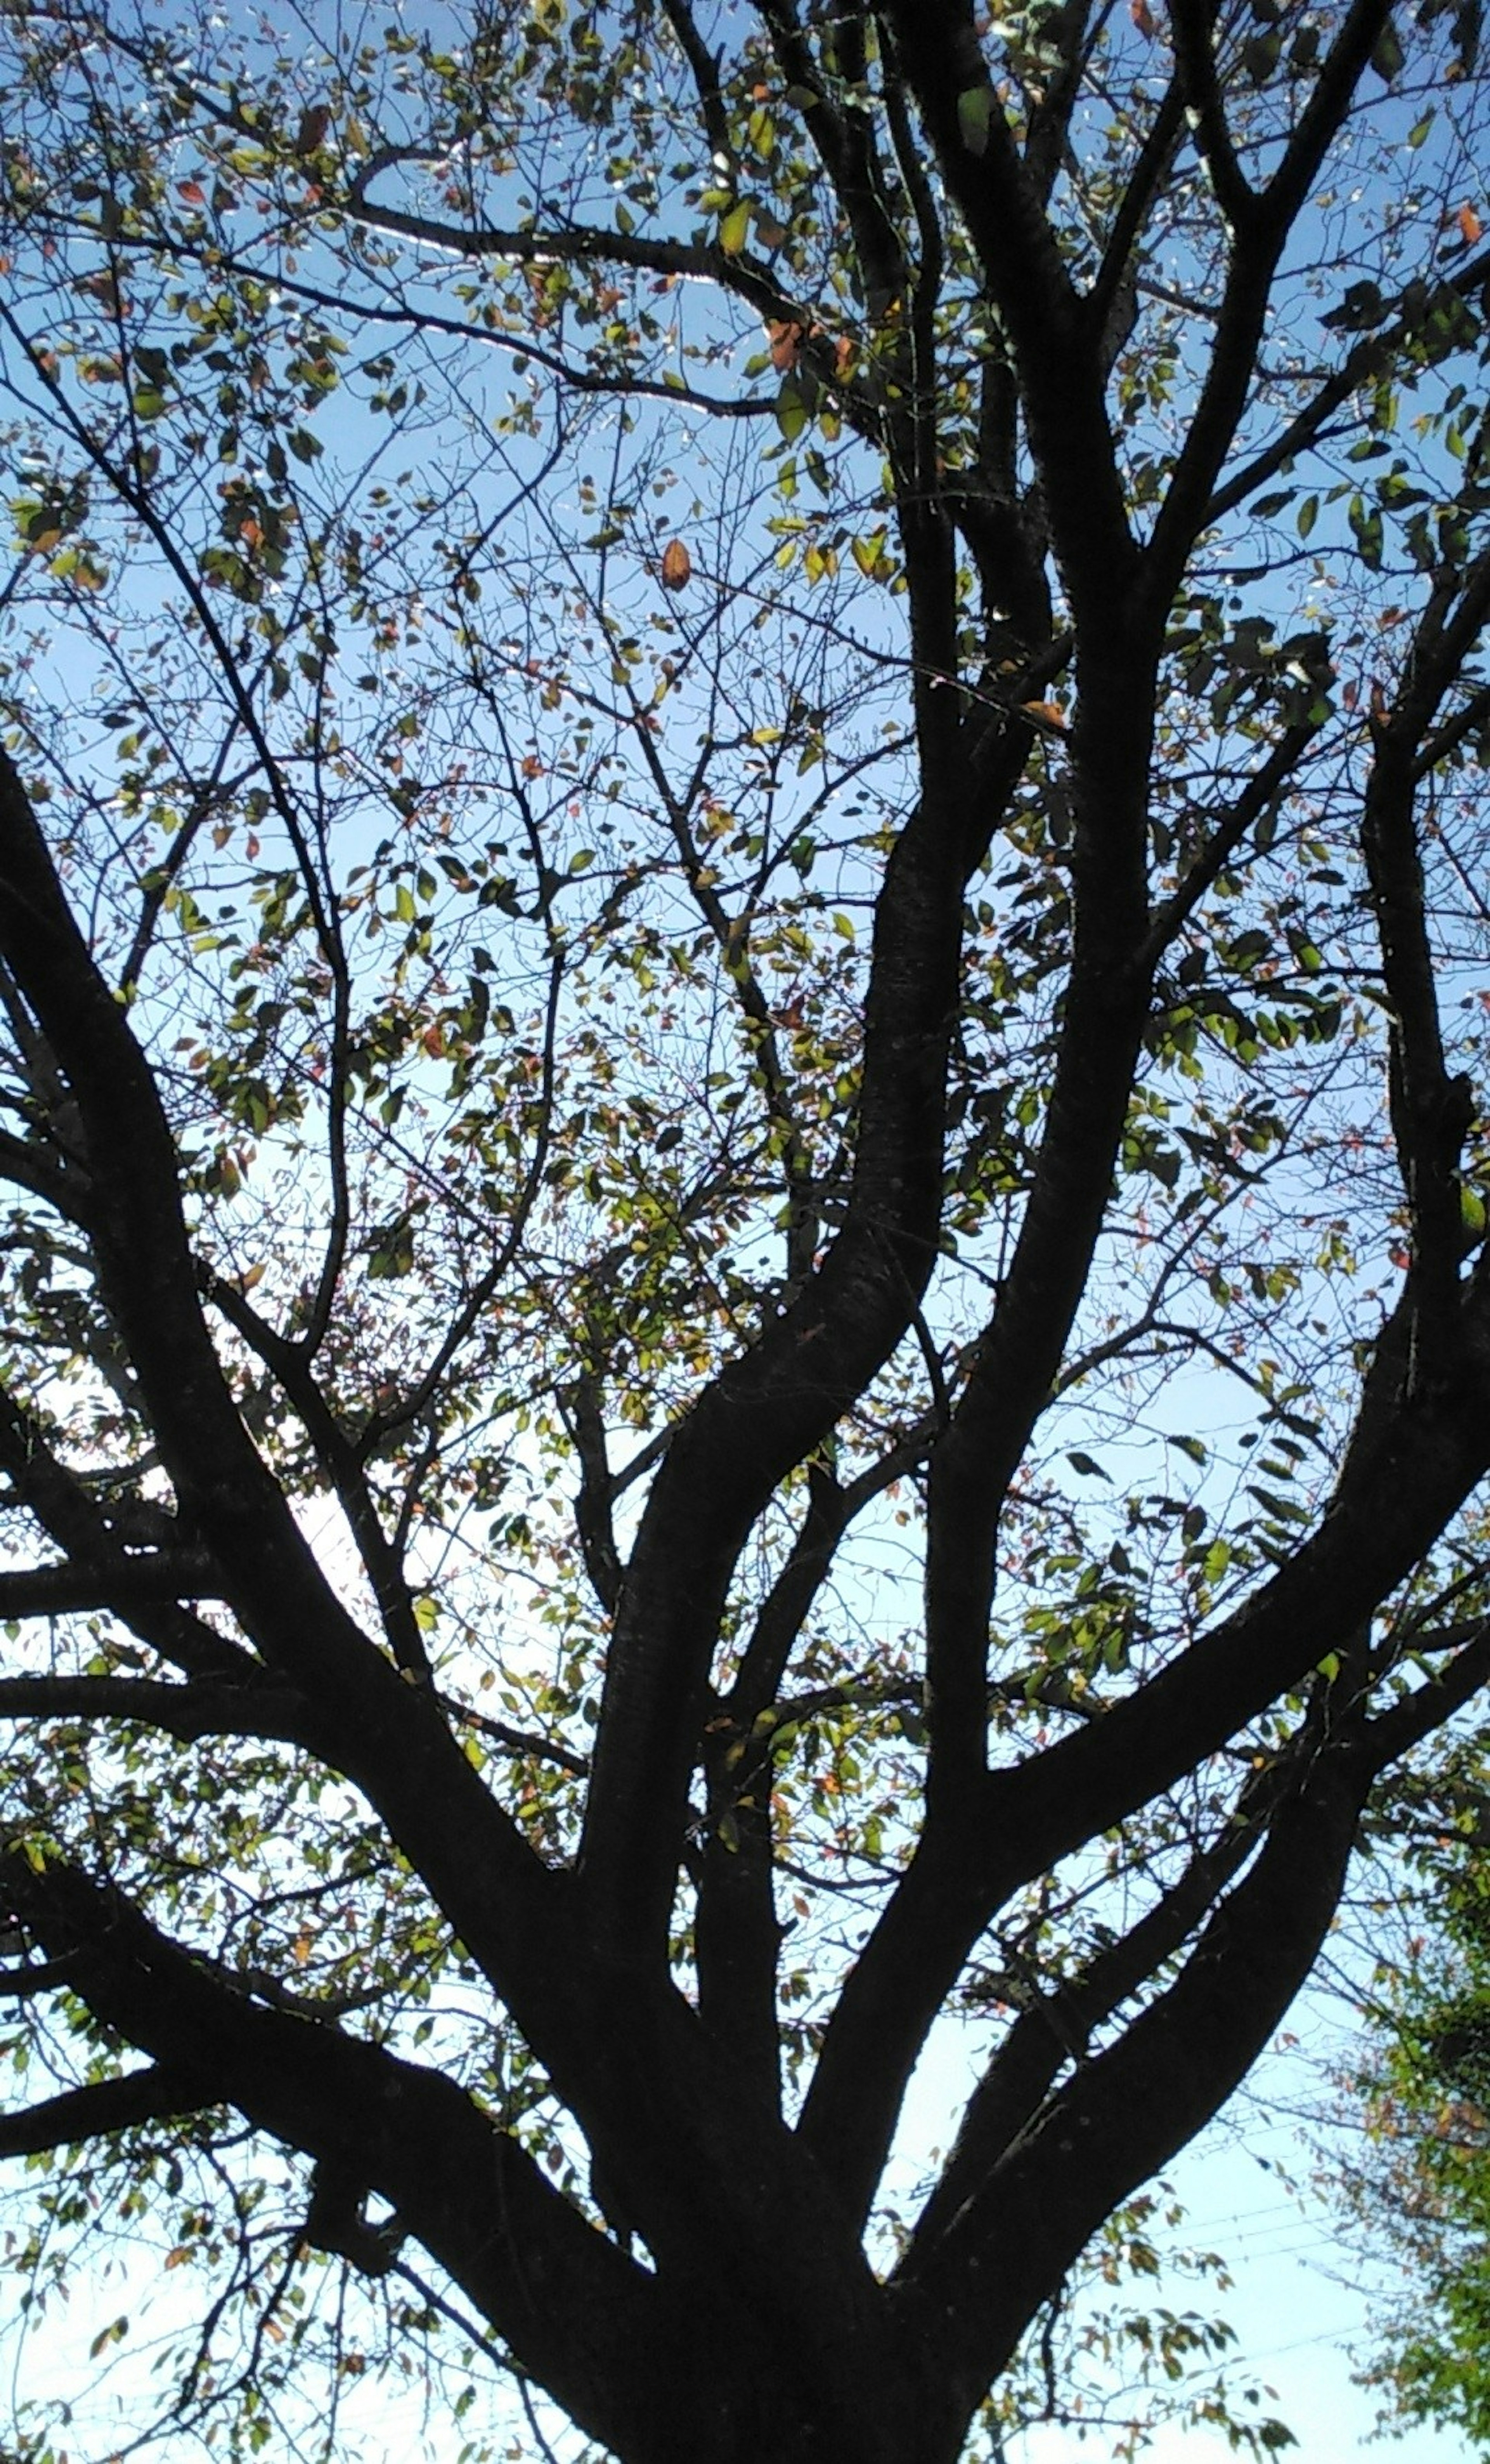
{"points": [[740, 861], [1415, 2193]]}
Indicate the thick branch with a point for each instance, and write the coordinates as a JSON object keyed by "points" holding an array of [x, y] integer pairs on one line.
{"points": [[1413, 1461], [71, 1516], [165, 1575], [1145, 183], [703, 65], [390, 1737], [594, 1521], [843, 136], [1424, 1710], [81, 2114], [562, 2295], [290, 1364], [57, 1180], [206, 1706], [1055, 2029], [769, 1407], [736, 1932], [1324, 112], [1107, 1002], [1057, 354], [1431, 1113], [1124, 2114], [1258, 243], [1194, 25]]}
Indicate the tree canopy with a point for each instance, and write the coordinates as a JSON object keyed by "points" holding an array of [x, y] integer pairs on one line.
{"points": [[747, 1326], [1413, 2189]]}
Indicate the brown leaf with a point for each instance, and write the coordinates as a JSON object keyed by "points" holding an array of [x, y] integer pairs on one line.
{"points": [[311, 135], [103, 286], [786, 341], [1142, 16], [677, 565]]}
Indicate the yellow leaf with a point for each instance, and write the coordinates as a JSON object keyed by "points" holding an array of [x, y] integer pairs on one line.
{"points": [[735, 228]]}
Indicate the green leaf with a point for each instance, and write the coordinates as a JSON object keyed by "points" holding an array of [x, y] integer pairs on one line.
{"points": [[1387, 57], [793, 417], [974, 117]]}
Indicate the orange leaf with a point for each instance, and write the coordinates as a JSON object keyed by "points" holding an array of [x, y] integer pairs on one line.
{"points": [[677, 565], [1050, 712], [785, 343], [192, 190], [1469, 224]]}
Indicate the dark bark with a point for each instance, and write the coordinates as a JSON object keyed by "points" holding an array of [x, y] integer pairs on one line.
{"points": [[723, 2309]]}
